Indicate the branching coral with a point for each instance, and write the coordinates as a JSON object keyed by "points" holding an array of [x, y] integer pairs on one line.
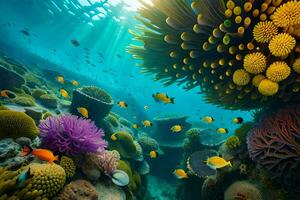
{"points": [[71, 135], [210, 43], [274, 143]]}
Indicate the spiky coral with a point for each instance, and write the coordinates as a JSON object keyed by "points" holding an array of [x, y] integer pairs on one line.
{"points": [[68, 165], [257, 79], [296, 65], [274, 144], [205, 43], [267, 87], [71, 135], [255, 63], [278, 71]]}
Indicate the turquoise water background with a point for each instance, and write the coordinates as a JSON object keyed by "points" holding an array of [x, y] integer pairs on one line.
{"points": [[102, 28]]}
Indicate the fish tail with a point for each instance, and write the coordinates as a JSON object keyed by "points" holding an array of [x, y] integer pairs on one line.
{"points": [[229, 164], [172, 100], [26, 150]]}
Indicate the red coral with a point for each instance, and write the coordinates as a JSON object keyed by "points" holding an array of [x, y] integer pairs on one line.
{"points": [[275, 144]]}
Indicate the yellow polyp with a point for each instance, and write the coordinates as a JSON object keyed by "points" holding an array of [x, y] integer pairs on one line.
{"points": [[263, 17], [295, 88], [228, 13], [193, 5], [231, 63], [200, 71], [205, 64], [213, 65], [255, 12], [213, 71], [222, 62], [191, 68], [221, 48], [177, 75], [221, 77], [237, 10], [212, 81], [174, 66], [227, 91], [238, 57], [173, 54], [241, 47], [194, 54], [226, 39], [238, 19], [264, 7], [250, 46], [196, 28], [217, 33], [232, 50], [194, 77], [199, 18], [270, 10], [230, 4], [205, 46], [247, 22], [276, 2], [241, 31], [212, 40], [228, 72], [186, 61], [247, 6]]}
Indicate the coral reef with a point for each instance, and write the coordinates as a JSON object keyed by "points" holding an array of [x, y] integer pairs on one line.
{"points": [[15, 124], [37, 93], [78, 190], [71, 135], [35, 113], [68, 165], [274, 144], [110, 191], [48, 100], [192, 142], [96, 100], [148, 144], [223, 47], [233, 142], [243, 190], [124, 144], [10, 79], [24, 101], [45, 181], [243, 130]]}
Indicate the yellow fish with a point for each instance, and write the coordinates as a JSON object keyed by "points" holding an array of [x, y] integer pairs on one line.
{"points": [[180, 174], [4, 93], [238, 120], [60, 79], [75, 83], [216, 162], [83, 111], [64, 93], [208, 119], [147, 123], [222, 130], [135, 126], [122, 104], [162, 97], [113, 137], [153, 154], [176, 128]]}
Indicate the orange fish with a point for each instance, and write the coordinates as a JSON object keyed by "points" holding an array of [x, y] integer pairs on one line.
{"points": [[42, 154], [4, 93]]}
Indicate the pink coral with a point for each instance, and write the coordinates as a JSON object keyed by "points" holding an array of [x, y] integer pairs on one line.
{"points": [[105, 161], [275, 144]]}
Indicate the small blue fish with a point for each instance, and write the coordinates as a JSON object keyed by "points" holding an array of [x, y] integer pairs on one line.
{"points": [[23, 177]]}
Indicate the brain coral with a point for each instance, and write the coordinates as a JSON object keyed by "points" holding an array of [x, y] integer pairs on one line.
{"points": [[210, 43], [274, 143], [68, 165], [69, 134], [242, 190], [15, 124]]}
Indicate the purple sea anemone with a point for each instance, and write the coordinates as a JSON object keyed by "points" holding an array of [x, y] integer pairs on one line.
{"points": [[71, 135]]}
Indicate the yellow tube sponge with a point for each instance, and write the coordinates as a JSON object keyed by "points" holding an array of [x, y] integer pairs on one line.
{"points": [[241, 77], [263, 32], [278, 71], [255, 63], [282, 44], [268, 87], [287, 14]]}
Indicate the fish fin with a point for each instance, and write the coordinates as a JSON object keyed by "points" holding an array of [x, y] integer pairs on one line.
{"points": [[172, 100], [26, 150], [57, 157], [229, 164]]}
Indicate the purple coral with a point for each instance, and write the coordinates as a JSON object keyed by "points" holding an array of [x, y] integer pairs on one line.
{"points": [[275, 144], [69, 134]]}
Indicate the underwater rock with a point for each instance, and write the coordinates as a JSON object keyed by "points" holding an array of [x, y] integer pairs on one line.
{"points": [[8, 148], [37, 93], [162, 130], [35, 113], [15, 124], [274, 144], [78, 190], [48, 100], [9, 79], [196, 165], [242, 190], [97, 101], [109, 191], [143, 168], [120, 178]]}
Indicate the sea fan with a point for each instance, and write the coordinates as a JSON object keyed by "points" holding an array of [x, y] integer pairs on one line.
{"points": [[71, 135]]}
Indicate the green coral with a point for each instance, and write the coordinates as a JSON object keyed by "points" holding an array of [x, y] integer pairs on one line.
{"points": [[124, 144], [210, 44], [233, 142], [68, 165], [48, 100], [44, 182], [36, 93], [125, 122], [113, 120], [15, 124], [24, 101], [32, 80], [98, 93]]}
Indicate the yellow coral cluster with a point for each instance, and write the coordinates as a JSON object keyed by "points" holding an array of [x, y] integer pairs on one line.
{"points": [[241, 77], [68, 165], [255, 63], [287, 14], [268, 88], [264, 31], [278, 71], [282, 44]]}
